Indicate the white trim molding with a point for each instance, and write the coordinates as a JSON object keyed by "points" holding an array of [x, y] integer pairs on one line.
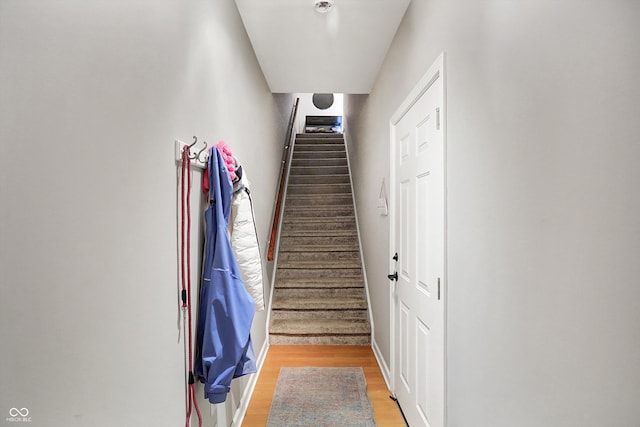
{"points": [[362, 263], [239, 414], [384, 368]]}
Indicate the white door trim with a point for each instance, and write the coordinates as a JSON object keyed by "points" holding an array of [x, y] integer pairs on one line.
{"points": [[435, 71]]}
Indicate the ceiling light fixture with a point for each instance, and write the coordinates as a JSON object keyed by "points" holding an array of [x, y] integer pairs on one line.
{"points": [[323, 6]]}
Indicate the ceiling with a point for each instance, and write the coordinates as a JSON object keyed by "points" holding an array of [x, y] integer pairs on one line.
{"points": [[303, 51]]}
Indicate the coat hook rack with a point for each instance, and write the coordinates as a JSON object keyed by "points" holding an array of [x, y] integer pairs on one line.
{"points": [[198, 155]]}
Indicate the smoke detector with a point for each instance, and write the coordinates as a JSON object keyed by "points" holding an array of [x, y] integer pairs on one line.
{"points": [[323, 6]]}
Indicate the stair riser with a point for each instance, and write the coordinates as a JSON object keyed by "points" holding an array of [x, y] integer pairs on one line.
{"points": [[322, 233], [320, 226], [335, 211], [319, 162], [319, 155], [319, 138], [293, 219], [319, 256], [319, 304], [319, 205], [326, 141], [311, 135], [296, 204], [319, 200], [328, 146], [318, 248], [333, 283], [292, 243], [319, 266], [317, 293], [322, 340], [316, 315], [319, 327], [303, 244], [292, 273], [318, 170], [343, 225], [319, 179], [319, 189]]}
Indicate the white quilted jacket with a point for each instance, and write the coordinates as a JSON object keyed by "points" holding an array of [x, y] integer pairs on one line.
{"points": [[244, 240]]}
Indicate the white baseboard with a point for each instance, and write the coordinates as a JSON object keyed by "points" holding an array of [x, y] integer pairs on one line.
{"points": [[239, 414], [386, 372]]}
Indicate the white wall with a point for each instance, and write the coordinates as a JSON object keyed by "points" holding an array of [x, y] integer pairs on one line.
{"points": [[92, 96], [543, 204]]}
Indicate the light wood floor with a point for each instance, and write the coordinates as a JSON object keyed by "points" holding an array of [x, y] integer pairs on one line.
{"points": [[385, 410]]}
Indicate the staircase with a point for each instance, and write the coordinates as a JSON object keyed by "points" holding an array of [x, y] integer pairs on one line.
{"points": [[319, 296]]}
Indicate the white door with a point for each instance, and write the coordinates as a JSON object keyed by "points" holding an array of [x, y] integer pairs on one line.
{"points": [[418, 237]]}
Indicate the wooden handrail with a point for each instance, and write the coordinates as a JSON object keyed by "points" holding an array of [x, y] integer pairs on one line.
{"points": [[284, 175]]}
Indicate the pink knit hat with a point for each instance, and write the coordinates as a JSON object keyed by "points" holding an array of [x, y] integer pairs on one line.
{"points": [[227, 156]]}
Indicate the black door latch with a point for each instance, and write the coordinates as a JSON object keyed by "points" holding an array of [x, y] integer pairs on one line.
{"points": [[394, 276]]}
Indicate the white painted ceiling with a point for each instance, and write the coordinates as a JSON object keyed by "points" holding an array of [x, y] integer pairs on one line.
{"points": [[301, 50]]}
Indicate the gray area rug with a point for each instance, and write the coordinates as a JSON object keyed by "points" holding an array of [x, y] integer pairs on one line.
{"points": [[326, 397]]}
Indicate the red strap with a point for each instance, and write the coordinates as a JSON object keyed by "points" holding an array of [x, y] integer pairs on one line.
{"points": [[185, 199], [205, 181]]}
